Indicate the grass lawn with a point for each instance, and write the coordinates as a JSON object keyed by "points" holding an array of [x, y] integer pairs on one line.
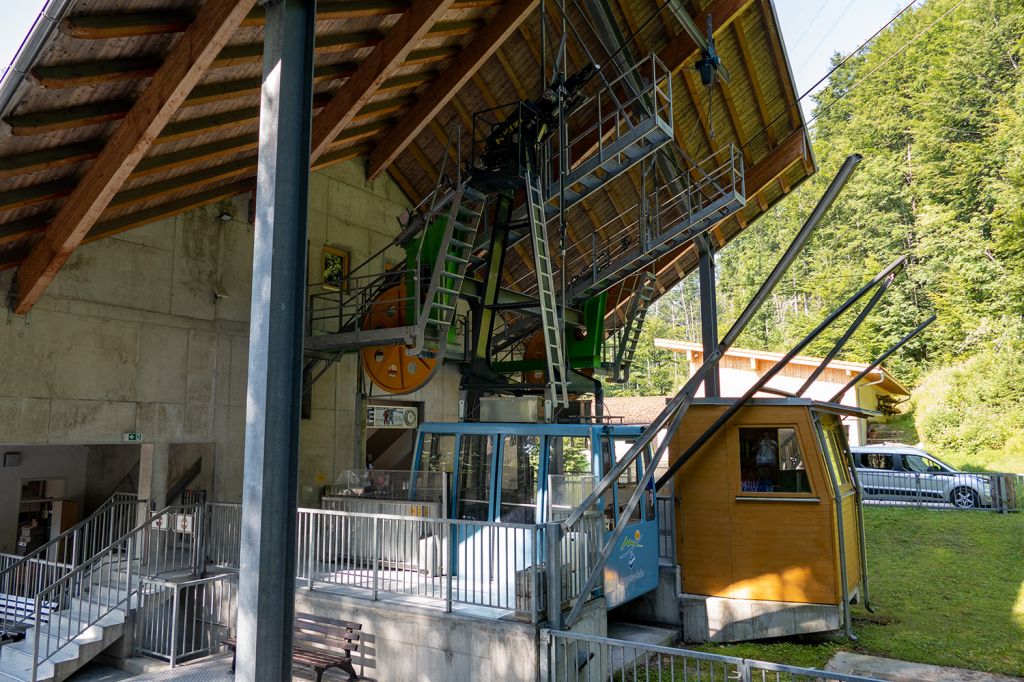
{"points": [[947, 587]]}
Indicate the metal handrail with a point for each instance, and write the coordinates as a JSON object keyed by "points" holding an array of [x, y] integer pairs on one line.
{"points": [[33, 571], [124, 551]]}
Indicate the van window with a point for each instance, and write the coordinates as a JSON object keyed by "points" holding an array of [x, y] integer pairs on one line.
{"points": [[919, 464], [876, 460], [771, 461]]}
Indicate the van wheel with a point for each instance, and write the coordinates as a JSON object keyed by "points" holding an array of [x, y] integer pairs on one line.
{"points": [[965, 498]]}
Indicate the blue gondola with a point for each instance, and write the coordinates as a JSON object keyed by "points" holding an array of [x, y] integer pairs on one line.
{"points": [[515, 473]]}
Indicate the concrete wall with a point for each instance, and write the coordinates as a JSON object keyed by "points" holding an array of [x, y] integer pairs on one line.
{"points": [[130, 337]]}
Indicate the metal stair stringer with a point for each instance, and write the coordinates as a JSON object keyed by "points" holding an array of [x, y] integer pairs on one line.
{"points": [[440, 302], [629, 336]]}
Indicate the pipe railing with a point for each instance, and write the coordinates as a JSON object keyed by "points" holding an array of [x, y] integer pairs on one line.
{"points": [[168, 541], [26, 576], [178, 622]]}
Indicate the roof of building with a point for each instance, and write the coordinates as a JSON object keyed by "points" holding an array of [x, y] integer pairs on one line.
{"points": [[377, 95], [640, 409], [888, 382]]}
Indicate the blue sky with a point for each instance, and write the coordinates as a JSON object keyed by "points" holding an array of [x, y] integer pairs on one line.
{"points": [[811, 30]]}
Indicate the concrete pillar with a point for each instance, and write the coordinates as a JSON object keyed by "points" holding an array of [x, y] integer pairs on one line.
{"points": [[266, 586], [154, 462], [708, 307]]}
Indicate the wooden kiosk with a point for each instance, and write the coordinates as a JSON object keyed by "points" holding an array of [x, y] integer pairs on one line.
{"points": [[769, 536]]}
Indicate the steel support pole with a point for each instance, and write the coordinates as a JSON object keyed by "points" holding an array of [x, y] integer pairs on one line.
{"points": [[266, 590], [708, 308], [880, 359]]}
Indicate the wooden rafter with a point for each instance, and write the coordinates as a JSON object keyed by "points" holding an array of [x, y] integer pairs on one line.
{"points": [[376, 68], [183, 68], [136, 24], [682, 46], [483, 45], [755, 82]]}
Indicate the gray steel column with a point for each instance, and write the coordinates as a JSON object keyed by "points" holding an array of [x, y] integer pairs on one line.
{"points": [[266, 589], [708, 308]]}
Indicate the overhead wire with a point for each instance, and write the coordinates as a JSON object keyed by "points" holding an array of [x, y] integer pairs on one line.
{"points": [[841, 64]]}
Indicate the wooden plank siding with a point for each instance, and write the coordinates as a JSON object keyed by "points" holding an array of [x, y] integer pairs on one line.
{"points": [[765, 550]]}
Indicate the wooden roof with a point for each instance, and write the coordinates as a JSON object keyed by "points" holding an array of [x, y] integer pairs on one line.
{"points": [[96, 143]]}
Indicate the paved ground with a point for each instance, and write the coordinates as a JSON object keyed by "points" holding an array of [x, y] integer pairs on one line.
{"points": [[902, 671]]}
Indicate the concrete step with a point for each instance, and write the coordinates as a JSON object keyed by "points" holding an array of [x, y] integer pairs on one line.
{"points": [[63, 656]]}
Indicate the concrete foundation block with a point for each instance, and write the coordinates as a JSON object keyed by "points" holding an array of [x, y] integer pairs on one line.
{"points": [[720, 619]]}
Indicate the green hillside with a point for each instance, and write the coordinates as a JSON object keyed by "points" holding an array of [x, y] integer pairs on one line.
{"points": [[936, 107]]}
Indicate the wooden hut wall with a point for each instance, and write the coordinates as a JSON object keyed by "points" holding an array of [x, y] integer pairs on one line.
{"points": [[766, 550]]}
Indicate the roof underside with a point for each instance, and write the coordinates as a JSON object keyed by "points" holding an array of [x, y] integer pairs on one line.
{"points": [[94, 68]]}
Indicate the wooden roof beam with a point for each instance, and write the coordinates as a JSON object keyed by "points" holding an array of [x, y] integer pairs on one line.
{"points": [[377, 67], [135, 24], [755, 82], [182, 70], [483, 45], [679, 50]]}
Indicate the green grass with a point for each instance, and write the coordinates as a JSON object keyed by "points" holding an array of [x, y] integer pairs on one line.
{"points": [[947, 587]]}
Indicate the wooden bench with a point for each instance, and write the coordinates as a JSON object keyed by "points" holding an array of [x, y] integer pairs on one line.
{"points": [[320, 643]]}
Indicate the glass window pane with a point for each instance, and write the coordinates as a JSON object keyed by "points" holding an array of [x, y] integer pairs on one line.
{"points": [[877, 460], [475, 454], [627, 480], [771, 461], [835, 446], [520, 466], [570, 455], [438, 452]]}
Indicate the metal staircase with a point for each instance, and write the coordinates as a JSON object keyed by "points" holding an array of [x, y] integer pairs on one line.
{"points": [[442, 297], [554, 348], [337, 318], [710, 192], [629, 335], [626, 131], [79, 610]]}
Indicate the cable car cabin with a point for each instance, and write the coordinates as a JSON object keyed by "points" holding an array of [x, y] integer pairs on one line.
{"points": [[769, 533], [515, 473]]}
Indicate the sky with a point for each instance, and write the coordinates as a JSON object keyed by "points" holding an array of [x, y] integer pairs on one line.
{"points": [[812, 30]]}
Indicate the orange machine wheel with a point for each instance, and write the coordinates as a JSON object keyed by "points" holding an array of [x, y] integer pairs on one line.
{"points": [[535, 351], [389, 367]]}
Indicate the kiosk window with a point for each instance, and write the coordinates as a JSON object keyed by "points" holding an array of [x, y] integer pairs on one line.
{"points": [[771, 461], [475, 456], [835, 446], [520, 464]]}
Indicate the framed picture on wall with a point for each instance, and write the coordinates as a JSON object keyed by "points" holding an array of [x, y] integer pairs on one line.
{"points": [[334, 264]]}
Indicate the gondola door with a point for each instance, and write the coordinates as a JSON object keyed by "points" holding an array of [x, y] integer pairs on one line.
{"points": [[632, 569]]}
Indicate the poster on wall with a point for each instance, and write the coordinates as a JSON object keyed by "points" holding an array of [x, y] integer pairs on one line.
{"points": [[391, 417]]}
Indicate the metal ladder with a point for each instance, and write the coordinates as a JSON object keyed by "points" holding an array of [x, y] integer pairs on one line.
{"points": [[554, 349], [629, 337], [442, 296]]}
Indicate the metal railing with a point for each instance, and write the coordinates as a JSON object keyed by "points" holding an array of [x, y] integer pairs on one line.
{"points": [[943, 490], [182, 621], [26, 576], [223, 534], [574, 657], [450, 561], [169, 541]]}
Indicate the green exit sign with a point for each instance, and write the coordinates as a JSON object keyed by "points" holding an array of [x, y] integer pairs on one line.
{"points": [[132, 437]]}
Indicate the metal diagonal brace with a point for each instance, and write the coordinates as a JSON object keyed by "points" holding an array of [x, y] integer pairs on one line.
{"points": [[730, 337], [881, 358], [846, 336], [686, 398]]}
